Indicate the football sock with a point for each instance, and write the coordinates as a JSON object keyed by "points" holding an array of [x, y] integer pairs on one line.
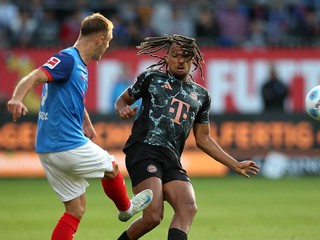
{"points": [[123, 236], [116, 190], [176, 234], [65, 228]]}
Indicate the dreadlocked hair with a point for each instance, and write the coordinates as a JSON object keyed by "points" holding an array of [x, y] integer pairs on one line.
{"points": [[152, 45]]}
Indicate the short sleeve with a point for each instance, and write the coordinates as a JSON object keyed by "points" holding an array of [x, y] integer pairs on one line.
{"points": [[140, 86], [203, 115], [59, 67]]}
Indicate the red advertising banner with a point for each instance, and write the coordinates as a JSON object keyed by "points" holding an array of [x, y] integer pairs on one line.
{"points": [[233, 77]]}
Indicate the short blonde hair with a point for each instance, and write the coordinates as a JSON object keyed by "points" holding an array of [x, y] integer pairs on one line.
{"points": [[95, 23]]}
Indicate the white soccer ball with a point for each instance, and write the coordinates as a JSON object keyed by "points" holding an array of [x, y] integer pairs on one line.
{"points": [[312, 103]]}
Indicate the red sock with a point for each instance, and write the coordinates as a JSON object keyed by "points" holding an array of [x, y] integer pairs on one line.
{"points": [[116, 190], [65, 228]]}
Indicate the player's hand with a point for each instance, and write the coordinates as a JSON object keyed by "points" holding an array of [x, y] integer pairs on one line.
{"points": [[247, 167], [16, 108], [128, 112]]}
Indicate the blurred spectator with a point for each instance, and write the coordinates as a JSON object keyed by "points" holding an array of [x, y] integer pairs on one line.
{"points": [[69, 30], [37, 9], [180, 22], [133, 24], [227, 23], [233, 24], [160, 19], [128, 11], [306, 29], [172, 19], [133, 33], [119, 31], [8, 11], [206, 27], [47, 34], [257, 34], [278, 23], [22, 29], [274, 92], [144, 14], [258, 17]]}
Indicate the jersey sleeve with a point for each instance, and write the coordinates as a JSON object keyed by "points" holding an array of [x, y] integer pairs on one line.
{"points": [[204, 112], [140, 86], [59, 67]]}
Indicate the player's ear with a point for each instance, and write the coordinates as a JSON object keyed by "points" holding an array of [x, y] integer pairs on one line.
{"points": [[99, 39]]}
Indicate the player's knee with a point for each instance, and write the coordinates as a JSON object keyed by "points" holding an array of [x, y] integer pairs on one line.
{"points": [[152, 220], [191, 209], [187, 211], [78, 213], [81, 212]]}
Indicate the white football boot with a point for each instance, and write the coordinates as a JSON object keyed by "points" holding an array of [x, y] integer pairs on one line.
{"points": [[138, 203]]}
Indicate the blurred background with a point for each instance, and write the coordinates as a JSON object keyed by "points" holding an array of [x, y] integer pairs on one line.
{"points": [[262, 57]]}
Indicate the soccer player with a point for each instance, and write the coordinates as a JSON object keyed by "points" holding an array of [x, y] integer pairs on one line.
{"points": [[172, 104], [64, 133]]}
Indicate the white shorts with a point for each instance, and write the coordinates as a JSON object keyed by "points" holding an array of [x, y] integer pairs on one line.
{"points": [[66, 171]]}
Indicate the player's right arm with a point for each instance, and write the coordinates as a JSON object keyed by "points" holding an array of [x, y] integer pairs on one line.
{"points": [[123, 106], [15, 104], [131, 95]]}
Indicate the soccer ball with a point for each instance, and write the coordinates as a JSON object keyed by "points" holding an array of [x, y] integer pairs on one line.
{"points": [[312, 103]]}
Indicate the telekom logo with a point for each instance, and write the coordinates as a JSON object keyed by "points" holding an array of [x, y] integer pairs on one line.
{"points": [[182, 106]]}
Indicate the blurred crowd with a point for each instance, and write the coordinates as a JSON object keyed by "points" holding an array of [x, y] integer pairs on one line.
{"points": [[218, 23]]}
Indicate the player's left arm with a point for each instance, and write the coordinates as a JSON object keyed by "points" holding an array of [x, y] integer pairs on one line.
{"points": [[208, 145], [87, 127]]}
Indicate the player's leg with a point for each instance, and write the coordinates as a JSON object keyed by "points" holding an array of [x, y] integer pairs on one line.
{"points": [[180, 195], [76, 207], [91, 161], [115, 188], [70, 190], [152, 215], [69, 221], [144, 166]]}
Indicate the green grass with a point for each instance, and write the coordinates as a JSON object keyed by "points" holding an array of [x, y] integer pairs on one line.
{"points": [[232, 208]]}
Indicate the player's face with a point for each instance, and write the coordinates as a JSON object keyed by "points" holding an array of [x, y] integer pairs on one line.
{"points": [[104, 41], [179, 62]]}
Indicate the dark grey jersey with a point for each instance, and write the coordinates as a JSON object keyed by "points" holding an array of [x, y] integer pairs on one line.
{"points": [[169, 109]]}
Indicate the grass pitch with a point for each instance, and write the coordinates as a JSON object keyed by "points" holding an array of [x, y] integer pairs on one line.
{"points": [[231, 208]]}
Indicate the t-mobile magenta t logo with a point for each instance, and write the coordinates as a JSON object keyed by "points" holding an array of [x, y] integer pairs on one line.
{"points": [[181, 110]]}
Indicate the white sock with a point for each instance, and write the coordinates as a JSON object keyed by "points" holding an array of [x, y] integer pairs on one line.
{"points": [[129, 209]]}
